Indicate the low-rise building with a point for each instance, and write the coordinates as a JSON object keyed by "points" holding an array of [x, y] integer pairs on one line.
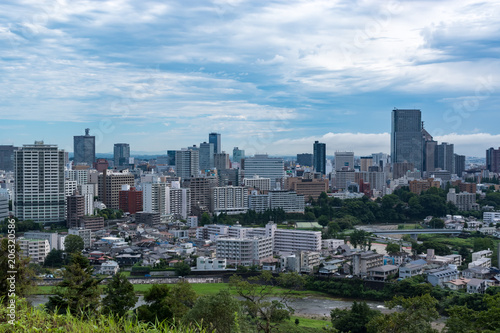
{"points": [[362, 262], [35, 249], [331, 244], [210, 264], [382, 272], [438, 276], [477, 286], [458, 284], [412, 269], [109, 267], [85, 234]]}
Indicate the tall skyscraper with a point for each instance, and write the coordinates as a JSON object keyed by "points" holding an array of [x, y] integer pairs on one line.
{"points": [[459, 166], [266, 167], [84, 149], [215, 139], [319, 159], [221, 161], [109, 186], [406, 137], [344, 159], [187, 163], [206, 156], [493, 160], [39, 183], [121, 154], [238, 154], [445, 156], [7, 157]]}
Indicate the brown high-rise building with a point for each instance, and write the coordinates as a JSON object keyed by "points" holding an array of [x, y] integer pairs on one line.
{"points": [[418, 186], [201, 188], [110, 184], [101, 164], [493, 160], [307, 187], [130, 200], [400, 169], [75, 210]]}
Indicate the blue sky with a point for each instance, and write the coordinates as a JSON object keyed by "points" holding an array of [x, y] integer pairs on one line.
{"points": [[270, 76]]}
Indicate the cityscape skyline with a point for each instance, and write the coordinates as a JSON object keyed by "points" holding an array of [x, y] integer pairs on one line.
{"points": [[133, 70]]}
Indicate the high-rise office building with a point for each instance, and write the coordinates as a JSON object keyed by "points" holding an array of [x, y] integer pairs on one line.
{"points": [[39, 183], [344, 160], [215, 139], [365, 163], [459, 166], [187, 163], [201, 189], [206, 156], [493, 160], [266, 167], [305, 159], [221, 161], [319, 159], [429, 153], [171, 157], [84, 149], [7, 157], [121, 154], [406, 137], [75, 210], [445, 157], [238, 154], [109, 186]]}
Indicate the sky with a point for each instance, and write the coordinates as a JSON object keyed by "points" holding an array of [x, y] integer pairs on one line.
{"points": [[270, 76]]}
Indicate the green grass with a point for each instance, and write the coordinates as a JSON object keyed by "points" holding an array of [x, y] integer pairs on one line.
{"points": [[201, 289], [308, 322]]}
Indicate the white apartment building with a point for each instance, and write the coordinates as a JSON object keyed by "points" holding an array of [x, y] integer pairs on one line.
{"points": [[285, 240], [245, 251], [39, 183], [85, 234], [258, 202], [263, 184], [80, 176], [35, 249], [88, 191], [192, 221], [210, 264], [51, 237], [290, 202], [491, 217], [70, 187], [166, 199], [331, 244], [229, 200], [463, 201]]}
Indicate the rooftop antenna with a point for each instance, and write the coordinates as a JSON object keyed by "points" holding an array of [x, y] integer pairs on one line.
{"points": [[87, 131]]}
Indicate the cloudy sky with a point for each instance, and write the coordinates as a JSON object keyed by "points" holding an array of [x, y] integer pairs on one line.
{"points": [[270, 76]]}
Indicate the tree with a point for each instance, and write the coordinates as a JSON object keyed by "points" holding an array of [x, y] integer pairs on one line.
{"points": [[73, 244], [436, 223], [392, 248], [205, 219], [256, 293], [359, 237], [182, 269], [463, 319], [323, 220], [120, 296], [54, 259], [218, 312], [353, 320], [11, 261], [78, 292], [415, 315], [167, 303]]}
